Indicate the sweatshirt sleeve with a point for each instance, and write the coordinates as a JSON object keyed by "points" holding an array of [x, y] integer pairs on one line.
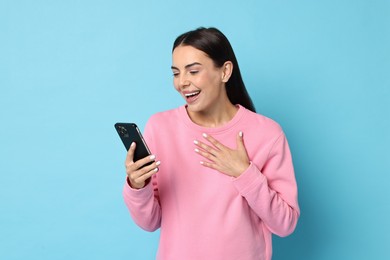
{"points": [[144, 204], [272, 192]]}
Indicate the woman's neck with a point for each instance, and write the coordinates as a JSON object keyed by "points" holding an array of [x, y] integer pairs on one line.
{"points": [[216, 117]]}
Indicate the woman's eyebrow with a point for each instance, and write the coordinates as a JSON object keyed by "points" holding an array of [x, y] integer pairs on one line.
{"points": [[192, 64], [186, 66]]}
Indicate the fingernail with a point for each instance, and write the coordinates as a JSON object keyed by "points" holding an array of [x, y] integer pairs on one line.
{"points": [[201, 162], [156, 169], [196, 142], [158, 163], [152, 157], [196, 150], [204, 135], [132, 144], [240, 134]]}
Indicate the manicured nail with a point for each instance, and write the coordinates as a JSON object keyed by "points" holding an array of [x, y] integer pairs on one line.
{"points": [[152, 157], [132, 144], [196, 142], [201, 162], [196, 150], [158, 163], [204, 135], [240, 134]]}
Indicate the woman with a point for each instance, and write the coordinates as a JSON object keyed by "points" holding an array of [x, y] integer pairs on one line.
{"points": [[226, 179]]}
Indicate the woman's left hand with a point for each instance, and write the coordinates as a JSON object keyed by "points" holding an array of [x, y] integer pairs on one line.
{"points": [[221, 158]]}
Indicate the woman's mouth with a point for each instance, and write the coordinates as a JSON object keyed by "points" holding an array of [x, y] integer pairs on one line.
{"points": [[192, 96]]}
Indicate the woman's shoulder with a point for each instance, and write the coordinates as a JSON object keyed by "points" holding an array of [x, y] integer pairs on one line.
{"points": [[165, 117], [262, 121]]}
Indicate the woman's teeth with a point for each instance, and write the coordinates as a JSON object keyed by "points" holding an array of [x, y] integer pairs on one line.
{"points": [[192, 94]]}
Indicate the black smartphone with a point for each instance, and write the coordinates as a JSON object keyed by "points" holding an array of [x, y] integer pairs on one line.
{"points": [[129, 132]]}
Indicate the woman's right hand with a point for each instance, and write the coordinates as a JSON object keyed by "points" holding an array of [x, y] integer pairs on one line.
{"points": [[136, 173]]}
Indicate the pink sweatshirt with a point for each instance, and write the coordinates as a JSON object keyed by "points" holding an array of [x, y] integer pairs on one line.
{"points": [[204, 214]]}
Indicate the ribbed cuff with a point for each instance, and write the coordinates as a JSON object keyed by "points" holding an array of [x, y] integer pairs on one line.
{"points": [[131, 192], [249, 179]]}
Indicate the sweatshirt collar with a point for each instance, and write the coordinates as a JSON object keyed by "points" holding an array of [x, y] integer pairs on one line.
{"points": [[187, 120]]}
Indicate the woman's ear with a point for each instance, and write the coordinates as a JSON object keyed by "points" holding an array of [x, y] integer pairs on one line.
{"points": [[227, 69]]}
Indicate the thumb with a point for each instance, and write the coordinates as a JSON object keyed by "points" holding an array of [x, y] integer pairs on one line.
{"points": [[240, 141], [130, 153]]}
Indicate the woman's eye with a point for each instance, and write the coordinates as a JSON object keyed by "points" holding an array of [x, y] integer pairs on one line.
{"points": [[193, 72], [175, 74]]}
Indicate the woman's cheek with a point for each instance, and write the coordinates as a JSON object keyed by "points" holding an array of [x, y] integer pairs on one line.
{"points": [[176, 85]]}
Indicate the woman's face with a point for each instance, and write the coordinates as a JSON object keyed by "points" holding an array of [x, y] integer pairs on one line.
{"points": [[195, 77]]}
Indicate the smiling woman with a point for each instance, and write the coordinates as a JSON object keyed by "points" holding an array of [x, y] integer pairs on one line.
{"points": [[214, 44], [225, 177], [202, 84]]}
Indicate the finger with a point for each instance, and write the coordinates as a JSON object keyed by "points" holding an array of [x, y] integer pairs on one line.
{"points": [[144, 170], [146, 160], [140, 181], [147, 175], [135, 166], [138, 174], [206, 150], [206, 154], [130, 154], [213, 141], [204, 146], [208, 164]]}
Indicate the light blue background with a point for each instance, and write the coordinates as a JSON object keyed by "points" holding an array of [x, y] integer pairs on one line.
{"points": [[70, 69]]}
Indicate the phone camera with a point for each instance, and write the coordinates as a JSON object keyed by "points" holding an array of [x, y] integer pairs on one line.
{"points": [[122, 131]]}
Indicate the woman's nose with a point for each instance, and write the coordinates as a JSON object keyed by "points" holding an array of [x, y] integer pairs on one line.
{"points": [[184, 82]]}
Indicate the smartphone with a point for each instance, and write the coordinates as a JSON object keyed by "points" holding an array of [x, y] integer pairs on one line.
{"points": [[129, 132]]}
